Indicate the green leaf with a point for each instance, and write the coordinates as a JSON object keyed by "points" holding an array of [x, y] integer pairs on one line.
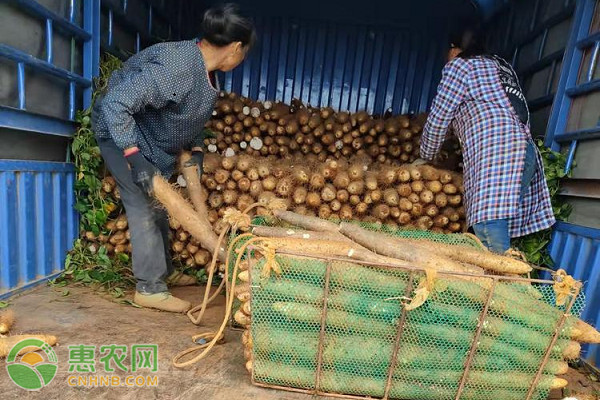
{"points": [[65, 292], [130, 303], [81, 207], [4, 304]]}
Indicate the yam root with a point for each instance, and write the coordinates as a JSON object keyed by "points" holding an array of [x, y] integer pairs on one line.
{"points": [[7, 343], [7, 319], [383, 244], [195, 223], [306, 222]]}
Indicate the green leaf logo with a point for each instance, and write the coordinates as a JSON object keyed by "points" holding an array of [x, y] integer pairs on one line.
{"points": [[27, 368]]}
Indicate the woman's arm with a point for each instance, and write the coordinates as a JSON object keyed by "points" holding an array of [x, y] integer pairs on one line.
{"points": [[450, 94]]}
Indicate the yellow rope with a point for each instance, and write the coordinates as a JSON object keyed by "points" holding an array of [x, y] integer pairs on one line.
{"points": [[216, 337], [271, 264], [206, 300], [237, 219], [516, 254], [564, 286], [476, 240], [423, 290], [277, 204]]}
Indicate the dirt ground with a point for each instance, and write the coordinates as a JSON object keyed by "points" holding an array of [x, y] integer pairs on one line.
{"points": [[86, 318]]}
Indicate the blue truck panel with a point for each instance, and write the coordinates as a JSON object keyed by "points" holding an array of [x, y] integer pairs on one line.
{"points": [[345, 66], [577, 250], [37, 221]]}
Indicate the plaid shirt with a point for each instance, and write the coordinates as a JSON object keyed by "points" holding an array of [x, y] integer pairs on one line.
{"points": [[159, 101], [471, 99]]}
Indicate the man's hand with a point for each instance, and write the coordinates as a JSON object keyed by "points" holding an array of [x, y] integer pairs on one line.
{"points": [[142, 170], [196, 159]]}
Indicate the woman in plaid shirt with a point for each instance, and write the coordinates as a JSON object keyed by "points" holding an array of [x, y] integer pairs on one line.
{"points": [[479, 96]]}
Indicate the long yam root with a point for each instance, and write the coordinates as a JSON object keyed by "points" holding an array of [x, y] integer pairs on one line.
{"points": [[7, 319], [587, 333], [486, 260], [339, 382], [383, 244], [306, 222], [192, 221], [268, 231], [195, 189], [7, 343]]}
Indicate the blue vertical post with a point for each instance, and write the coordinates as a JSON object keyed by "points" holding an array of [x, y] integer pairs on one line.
{"points": [[91, 48], [72, 104], [49, 55], [21, 84], [150, 21], [593, 62], [571, 156], [110, 27], [71, 10]]}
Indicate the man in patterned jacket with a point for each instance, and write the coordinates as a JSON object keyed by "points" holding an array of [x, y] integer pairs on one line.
{"points": [[156, 106]]}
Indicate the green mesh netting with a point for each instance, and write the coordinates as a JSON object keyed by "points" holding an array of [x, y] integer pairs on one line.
{"points": [[362, 325]]}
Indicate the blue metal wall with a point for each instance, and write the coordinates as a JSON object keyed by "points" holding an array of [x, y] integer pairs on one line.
{"points": [[37, 221], [555, 72], [577, 250], [345, 66]]}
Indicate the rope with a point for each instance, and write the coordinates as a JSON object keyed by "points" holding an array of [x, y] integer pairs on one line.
{"points": [[271, 264], [423, 290], [236, 220], [216, 337], [516, 254], [206, 300], [564, 286]]}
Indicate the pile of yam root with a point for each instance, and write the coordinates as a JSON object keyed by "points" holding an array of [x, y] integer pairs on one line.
{"points": [[406, 196], [244, 126], [515, 333]]}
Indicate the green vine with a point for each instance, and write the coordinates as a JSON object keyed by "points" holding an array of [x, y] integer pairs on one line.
{"points": [[87, 263], [535, 246]]}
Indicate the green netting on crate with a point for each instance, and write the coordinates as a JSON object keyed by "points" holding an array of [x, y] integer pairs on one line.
{"points": [[348, 324]]}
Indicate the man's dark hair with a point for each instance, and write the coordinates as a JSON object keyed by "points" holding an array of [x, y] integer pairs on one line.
{"points": [[224, 24]]}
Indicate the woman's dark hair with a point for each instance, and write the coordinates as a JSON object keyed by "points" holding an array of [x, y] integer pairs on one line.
{"points": [[224, 24], [471, 40]]}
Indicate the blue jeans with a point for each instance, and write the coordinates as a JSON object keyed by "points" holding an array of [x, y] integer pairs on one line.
{"points": [[494, 233], [148, 225]]}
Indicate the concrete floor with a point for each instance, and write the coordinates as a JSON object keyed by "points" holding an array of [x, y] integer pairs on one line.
{"points": [[85, 317]]}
